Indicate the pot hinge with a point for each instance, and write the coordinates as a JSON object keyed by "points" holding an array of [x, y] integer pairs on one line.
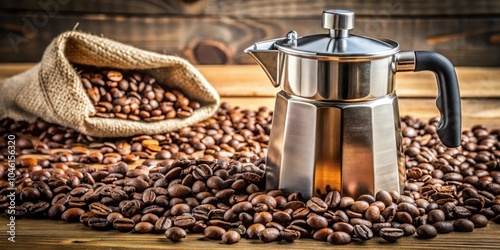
{"points": [[405, 61]]}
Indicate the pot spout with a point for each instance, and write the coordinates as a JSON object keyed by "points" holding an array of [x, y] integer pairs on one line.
{"points": [[266, 55]]}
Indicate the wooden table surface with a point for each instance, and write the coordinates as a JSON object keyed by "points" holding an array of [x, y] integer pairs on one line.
{"points": [[247, 86], [46, 234]]}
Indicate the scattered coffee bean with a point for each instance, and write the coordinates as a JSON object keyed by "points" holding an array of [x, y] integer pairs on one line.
{"points": [[391, 234], [339, 238], [231, 237], [479, 220], [124, 224], [290, 235], [427, 231], [269, 234], [254, 230], [443, 227], [463, 225], [214, 232], [175, 233], [408, 229], [72, 214], [363, 232]]}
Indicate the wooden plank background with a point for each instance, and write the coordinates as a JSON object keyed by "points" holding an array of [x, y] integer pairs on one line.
{"points": [[216, 32], [265, 8], [51, 235]]}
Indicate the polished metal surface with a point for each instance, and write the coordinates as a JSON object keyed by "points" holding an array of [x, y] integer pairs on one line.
{"points": [[339, 22], [336, 120], [352, 148], [330, 80], [324, 47], [266, 56], [338, 44], [405, 61]]}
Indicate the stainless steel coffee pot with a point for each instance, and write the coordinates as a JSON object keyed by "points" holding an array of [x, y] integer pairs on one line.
{"points": [[336, 119]]}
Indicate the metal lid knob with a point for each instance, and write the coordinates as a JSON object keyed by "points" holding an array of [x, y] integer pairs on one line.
{"points": [[339, 22]]}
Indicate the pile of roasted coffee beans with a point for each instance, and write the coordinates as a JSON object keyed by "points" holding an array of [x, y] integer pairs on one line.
{"points": [[133, 95], [209, 178]]}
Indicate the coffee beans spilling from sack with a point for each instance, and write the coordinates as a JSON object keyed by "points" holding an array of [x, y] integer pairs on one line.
{"points": [[132, 92], [133, 95], [219, 191]]}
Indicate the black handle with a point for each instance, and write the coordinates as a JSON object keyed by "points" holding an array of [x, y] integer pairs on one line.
{"points": [[449, 128]]}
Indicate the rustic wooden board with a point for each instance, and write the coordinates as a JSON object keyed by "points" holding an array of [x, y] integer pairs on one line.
{"points": [[248, 87], [47, 234], [264, 8], [474, 111], [222, 39], [250, 81]]}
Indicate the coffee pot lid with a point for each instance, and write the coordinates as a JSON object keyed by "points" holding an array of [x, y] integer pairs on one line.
{"points": [[338, 43]]}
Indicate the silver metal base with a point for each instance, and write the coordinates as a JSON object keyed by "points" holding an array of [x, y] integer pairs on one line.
{"points": [[354, 148]]}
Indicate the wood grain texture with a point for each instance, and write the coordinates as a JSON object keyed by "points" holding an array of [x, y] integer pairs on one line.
{"points": [[47, 234], [474, 111], [465, 41], [131, 7], [250, 81], [264, 8]]}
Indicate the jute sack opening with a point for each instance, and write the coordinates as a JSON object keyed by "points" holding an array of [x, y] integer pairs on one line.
{"points": [[53, 91]]}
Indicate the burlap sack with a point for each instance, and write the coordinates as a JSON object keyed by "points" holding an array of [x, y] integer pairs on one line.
{"points": [[52, 89]]}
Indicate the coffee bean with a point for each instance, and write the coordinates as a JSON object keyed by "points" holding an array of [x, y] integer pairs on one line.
{"points": [[339, 238], [427, 231], [269, 234], [346, 202], [435, 216], [144, 227], [123, 224], [175, 233], [178, 191], [254, 230], [333, 199], [462, 212], [290, 235], [344, 227], [443, 227], [100, 209], [391, 234], [98, 223], [230, 237], [282, 217], [56, 211], [317, 205], [479, 220], [317, 222], [184, 221], [39, 209], [497, 219], [363, 232], [214, 232], [463, 225], [372, 213], [113, 216], [72, 214], [408, 229], [162, 224], [322, 234], [262, 217]]}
